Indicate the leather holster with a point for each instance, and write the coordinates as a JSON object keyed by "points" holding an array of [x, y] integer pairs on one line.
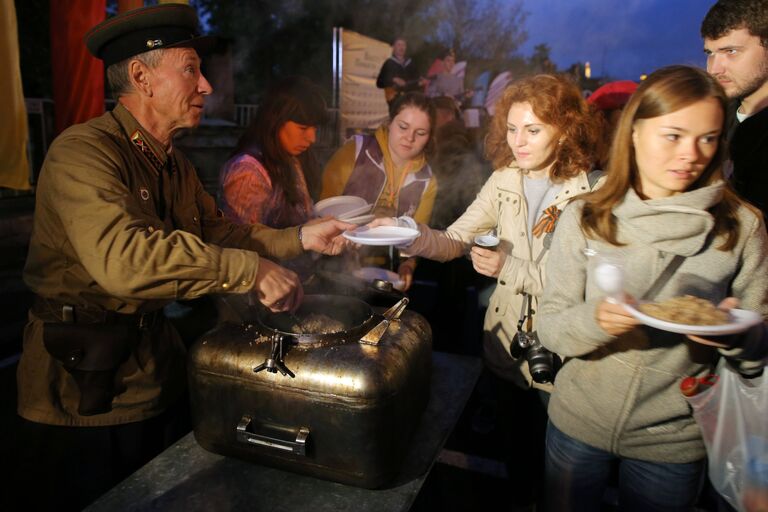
{"points": [[92, 354]]}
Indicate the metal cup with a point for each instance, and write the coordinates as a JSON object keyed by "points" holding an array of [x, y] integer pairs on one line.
{"points": [[489, 242]]}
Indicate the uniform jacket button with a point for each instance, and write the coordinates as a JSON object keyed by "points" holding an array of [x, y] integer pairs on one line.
{"points": [[225, 285]]}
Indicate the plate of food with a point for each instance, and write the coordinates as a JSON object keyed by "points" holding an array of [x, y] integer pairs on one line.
{"points": [[693, 315], [382, 235], [342, 207]]}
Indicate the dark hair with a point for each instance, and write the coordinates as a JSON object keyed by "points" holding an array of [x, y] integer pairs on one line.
{"points": [[422, 102], [295, 99], [446, 103], [665, 91], [727, 15], [558, 102]]}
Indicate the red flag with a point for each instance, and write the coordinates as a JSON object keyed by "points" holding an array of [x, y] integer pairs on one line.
{"points": [[78, 78]]}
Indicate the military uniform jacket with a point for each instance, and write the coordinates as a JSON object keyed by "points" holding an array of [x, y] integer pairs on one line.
{"points": [[122, 225]]}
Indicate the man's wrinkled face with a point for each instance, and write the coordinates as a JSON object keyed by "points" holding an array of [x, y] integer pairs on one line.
{"points": [[179, 88], [739, 62]]}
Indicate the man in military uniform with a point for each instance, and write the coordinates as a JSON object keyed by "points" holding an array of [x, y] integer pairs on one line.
{"points": [[122, 227]]}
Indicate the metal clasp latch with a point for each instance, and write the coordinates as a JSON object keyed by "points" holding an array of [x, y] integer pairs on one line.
{"points": [[274, 362], [67, 314]]}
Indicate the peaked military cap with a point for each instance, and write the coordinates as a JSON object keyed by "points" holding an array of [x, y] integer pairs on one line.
{"points": [[144, 29]]}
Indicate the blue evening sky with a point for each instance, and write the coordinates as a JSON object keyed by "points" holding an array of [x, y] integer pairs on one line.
{"points": [[621, 38]]}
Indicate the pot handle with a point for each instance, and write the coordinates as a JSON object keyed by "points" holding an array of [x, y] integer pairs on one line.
{"points": [[373, 337], [285, 439]]}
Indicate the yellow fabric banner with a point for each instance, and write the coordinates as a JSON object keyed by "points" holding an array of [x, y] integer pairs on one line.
{"points": [[14, 166], [362, 105]]}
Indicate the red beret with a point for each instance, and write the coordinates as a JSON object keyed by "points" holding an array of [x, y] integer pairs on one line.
{"points": [[612, 95]]}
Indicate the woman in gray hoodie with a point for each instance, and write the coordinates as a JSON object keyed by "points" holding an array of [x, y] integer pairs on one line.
{"points": [[616, 400]]}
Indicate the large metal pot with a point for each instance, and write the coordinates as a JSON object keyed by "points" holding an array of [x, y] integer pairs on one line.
{"points": [[349, 409]]}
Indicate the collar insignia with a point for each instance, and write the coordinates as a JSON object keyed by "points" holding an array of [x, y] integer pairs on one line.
{"points": [[138, 140]]}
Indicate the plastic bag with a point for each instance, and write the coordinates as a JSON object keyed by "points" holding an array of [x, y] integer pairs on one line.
{"points": [[733, 417]]}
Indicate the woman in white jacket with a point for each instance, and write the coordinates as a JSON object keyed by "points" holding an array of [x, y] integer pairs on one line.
{"points": [[542, 141]]}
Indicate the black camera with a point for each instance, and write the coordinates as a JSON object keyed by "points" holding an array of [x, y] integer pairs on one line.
{"points": [[542, 364]]}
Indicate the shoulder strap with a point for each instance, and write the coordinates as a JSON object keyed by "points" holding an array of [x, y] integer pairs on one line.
{"points": [[660, 281]]}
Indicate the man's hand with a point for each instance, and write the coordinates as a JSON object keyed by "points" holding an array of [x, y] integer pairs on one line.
{"points": [[487, 262], [324, 235], [614, 319], [398, 81], [406, 270], [276, 287]]}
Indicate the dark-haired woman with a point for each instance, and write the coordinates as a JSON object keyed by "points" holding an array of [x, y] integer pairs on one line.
{"points": [[389, 168], [265, 181], [664, 205]]}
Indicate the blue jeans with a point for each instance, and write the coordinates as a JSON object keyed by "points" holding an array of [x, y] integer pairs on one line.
{"points": [[577, 475]]}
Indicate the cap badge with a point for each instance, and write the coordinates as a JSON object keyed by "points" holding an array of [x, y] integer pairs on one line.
{"points": [[151, 43]]}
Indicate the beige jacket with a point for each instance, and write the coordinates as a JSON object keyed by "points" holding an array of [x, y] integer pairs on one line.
{"points": [[501, 204]]}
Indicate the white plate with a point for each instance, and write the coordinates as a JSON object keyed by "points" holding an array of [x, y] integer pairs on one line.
{"points": [[360, 219], [371, 273], [382, 235], [342, 206], [741, 320]]}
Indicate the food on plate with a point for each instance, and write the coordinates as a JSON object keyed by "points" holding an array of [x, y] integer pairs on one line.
{"points": [[687, 310]]}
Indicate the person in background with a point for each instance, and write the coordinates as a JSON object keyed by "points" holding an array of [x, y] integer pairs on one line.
{"points": [[389, 168], [677, 228], [265, 180], [123, 227], [446, 83], [541, 142], [609, 100], [459, 169], [735, 34], [398, 75]]}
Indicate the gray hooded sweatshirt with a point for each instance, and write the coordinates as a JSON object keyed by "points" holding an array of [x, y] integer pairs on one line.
{"points": [[621, 393]]}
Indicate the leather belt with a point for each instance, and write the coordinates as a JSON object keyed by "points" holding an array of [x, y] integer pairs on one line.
{"points": [[52, 310]]}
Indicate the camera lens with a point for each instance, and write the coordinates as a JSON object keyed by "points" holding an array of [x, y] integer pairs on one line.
{"points": [[540, 364]]}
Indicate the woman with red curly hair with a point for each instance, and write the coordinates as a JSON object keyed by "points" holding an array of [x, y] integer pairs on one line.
{"points": [[542, 142]]}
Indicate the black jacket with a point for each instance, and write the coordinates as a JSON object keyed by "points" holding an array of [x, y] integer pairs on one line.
{"points": [[748, 146]]}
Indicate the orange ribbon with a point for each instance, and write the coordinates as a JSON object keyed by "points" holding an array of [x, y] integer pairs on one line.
{"points": [[547, 221]]}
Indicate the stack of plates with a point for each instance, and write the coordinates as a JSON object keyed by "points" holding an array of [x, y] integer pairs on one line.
{"points": [[352, 209], [382, 235]]}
